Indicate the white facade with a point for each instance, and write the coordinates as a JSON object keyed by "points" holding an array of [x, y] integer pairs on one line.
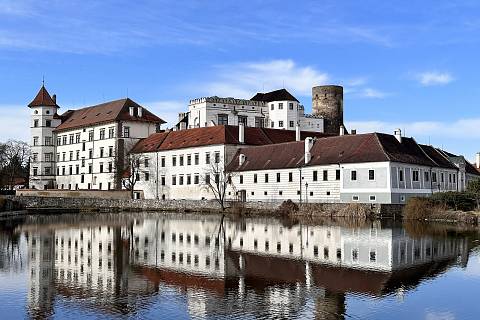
{"points": [[209, 111]]}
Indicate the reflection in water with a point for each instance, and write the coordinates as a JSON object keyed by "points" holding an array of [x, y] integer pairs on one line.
{"points": [[247, 268]]}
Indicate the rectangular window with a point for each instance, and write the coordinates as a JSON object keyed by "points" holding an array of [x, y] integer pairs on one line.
{"points": [[217, 157], [266, 177], [315, 175], [241, 179], [78, 155], [71, 155], [278, 176], [415, 176], [77, 138], [111, 132], [35, 141], [59, 141], [35, 123], [291, 124], [162, 180], [196, 179], [189, 159], [83, 162], [280, 106], [147, 176], [280, 124], [101, 167], [197, 159], [174, 161], [207, 158], [290, 105], [325, 175], [90, 153], [64, 140], [223, 119], [101, 152], [35, 171], [77, 169], [162, 162], [337, 174], [174, 180], [207, 178], [434, 177], [63, 156], [259, 122], [272, 107], [102, 134], [355, 198], [90, 135], [180, 180], [273, 124], [90, 169], [82, 178], [146, 164], [290, 176], [371, 174], [243, 120], [255, 178], [70, 138], [373, 198], [181, 160], [189, 179], [83, 146], [401, 178], [110, 167], [48, 123], [48, 141], [427, 177], [126, 132], [353, 176]]}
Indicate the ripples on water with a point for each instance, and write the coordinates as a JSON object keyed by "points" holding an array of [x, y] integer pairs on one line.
{"points": [[170, 266]]}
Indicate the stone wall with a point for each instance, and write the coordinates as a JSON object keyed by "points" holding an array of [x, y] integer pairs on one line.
{"points": [[91, 194]]}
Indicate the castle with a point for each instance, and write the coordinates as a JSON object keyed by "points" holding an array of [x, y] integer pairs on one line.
{"points": [[267, 147]]}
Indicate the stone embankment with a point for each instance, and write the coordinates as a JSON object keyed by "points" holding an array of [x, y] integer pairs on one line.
{"points": [[80, 205]]}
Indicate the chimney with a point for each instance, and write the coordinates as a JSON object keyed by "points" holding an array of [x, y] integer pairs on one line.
{"points": [[132, 111], [342, 130], [354, 131], [398, 135], [477, 160], [54, 98], [139, 112], [297, 133], [241, 133], [241, 159], [308, 146]]}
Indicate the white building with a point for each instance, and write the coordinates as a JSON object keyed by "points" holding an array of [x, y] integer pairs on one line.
{"points": [[84, 148], [277, 109], [176, 164], [364, 168]]}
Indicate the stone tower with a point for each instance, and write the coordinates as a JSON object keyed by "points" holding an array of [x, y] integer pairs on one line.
{"points": [[327, 101]]}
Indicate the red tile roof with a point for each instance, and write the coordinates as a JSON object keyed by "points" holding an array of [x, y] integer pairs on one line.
{"points": [[372, 147], [213, 136], [117, 110], [43, 99]]}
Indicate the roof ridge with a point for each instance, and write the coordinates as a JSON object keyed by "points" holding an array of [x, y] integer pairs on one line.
{"points": [[375, 134]]}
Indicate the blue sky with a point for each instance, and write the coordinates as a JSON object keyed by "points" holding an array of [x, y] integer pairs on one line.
{"points": [[412, 65]]}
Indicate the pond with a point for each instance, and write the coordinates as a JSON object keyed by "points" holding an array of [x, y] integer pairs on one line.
{"points": [[174, 266]]}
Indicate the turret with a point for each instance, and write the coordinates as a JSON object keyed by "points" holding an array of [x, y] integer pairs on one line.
{"points": [[327, 101]]}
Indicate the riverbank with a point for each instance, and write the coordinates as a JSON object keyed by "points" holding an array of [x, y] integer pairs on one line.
{"points": [[58, 205]]}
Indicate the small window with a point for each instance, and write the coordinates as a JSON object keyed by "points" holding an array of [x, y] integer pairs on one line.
{"points": [[373, 198], [355, 198], [371, 174], [325, 175], [415, 176], [400, 173], [353, 175], [290, 176], [315, 175], [337, 174], [280, 124], [266, 177], [278, 176]]}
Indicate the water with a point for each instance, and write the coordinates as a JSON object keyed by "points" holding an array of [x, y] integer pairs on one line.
{"points": [[171, 266]]}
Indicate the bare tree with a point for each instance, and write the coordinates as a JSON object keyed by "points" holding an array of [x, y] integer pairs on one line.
{"points": [[14, 162], [217, 179], [132, 173]]}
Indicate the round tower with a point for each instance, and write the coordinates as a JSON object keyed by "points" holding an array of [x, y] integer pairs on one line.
{"points": [[327, 101]]}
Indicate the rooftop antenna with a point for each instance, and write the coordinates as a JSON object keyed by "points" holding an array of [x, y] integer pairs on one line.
{"points": [[43, 80]]}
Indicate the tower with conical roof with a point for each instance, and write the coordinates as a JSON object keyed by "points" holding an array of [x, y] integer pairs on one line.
{"points": [[44, 119]]}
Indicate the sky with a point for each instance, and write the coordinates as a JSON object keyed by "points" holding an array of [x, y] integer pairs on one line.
{"points": [[407, 64]]}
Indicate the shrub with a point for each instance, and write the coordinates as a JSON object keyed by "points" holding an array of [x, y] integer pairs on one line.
{"points": [[287, 207], [419, 208], [455, 200]]}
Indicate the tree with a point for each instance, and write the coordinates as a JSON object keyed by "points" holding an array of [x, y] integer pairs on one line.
{"points": [[217, 179], [474, 189], [14, 162], [132, 173]]}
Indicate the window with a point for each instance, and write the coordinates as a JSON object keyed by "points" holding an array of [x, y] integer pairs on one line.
{"points": [[181, 160], [180, 180], [147, 176], [77, 138], [217, 157], [243, 120], [77, 169], [48, 171], [207, 158], [48, 123], [35, 123], [63, 156], [241, 179], [222, 119], [83, 146], [162, 180], [371, 174], [278, 176], [90, 135], [272, 107], [59, 141], [290, 105], [82, 178], [146, 163], [35, 141], [111, 132], [290, 176], [373, 198], [415, 177], [291, 124], [255, 178], [126, 132], [315, 175], [207, 178], [70, 170], [353, 176], [273, 124], [325, 175], [189, 179], [442, 178], [427, 177], [259, 122], [83, 162], [355, 198], [355, 254], [162, 162], [266, 177], [189, 159], [196, 179], [280, 106], [90, 168], [70, 138], [373, 256], [174, 180], [101, 167], [90, 153], [174, 161], [35, 171], [71, 155], [64, 140], [101, 152], [48, 141], [197, 159], [102, 134], [337, 174], [110, 151], [78, 155], [400, 173], [280, 124]]}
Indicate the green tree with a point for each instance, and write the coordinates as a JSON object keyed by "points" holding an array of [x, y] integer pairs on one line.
{"points": [[474, 189]]}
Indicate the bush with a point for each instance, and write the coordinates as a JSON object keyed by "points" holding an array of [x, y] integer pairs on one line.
{"points": [[455, 200], [419, 208], [287, 207]]}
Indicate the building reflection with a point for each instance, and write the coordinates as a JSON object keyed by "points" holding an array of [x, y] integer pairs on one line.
{"points": [[252, 267]]}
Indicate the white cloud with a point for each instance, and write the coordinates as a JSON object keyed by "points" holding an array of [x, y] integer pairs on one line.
{"points": [[432, 315], [14, 122], [242, 80], [434, 78], [372, 93], [168, 110]]}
